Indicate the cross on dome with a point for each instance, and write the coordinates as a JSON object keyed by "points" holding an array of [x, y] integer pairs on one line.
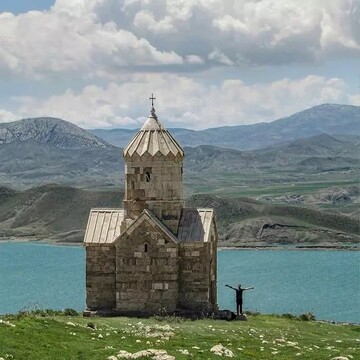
{"points": [[152, 111], [152, 98]]}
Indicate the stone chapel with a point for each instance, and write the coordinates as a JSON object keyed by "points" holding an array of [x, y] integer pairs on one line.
{"points": [[154, 254]]}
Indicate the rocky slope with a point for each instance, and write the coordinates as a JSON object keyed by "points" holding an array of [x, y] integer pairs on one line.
{"points": [[248, 222], [57, 132], [329, 196]]}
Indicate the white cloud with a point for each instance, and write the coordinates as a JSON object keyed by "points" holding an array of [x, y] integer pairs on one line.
{"points": [[220, 58], [104, 37], [38, 43], [245, 31], [355, 99], [7, 116], [182, 101], [117, 52], [146, 20]]}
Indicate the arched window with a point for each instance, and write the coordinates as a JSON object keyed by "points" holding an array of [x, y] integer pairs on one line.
{"points": [[147, 176], [146, 248]]}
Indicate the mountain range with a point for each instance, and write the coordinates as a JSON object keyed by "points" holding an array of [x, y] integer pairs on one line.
{"points": [[47, 150], [323, 119], [321, 144]]}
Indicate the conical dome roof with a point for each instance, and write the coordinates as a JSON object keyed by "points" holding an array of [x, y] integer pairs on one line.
{"points": [[152, 139]]}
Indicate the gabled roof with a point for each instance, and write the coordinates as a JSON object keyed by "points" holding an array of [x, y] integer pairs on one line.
{"points": [[149, 216], [195, 225], [153, 139], [103, 226]]}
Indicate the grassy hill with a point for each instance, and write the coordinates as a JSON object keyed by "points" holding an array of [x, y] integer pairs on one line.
{"points": [[320, 152], [261, 337], [30, 162], [249, 222], [51, 211], [59, 213]]}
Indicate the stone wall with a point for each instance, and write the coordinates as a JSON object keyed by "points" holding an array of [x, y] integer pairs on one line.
{"points": [[194, 268], [155, 183], [100, 277], [213, 266], [146, 270]]}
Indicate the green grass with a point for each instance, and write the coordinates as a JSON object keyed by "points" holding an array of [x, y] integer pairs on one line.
{"points": [[254, 184], [289, 188], [261, 337]]}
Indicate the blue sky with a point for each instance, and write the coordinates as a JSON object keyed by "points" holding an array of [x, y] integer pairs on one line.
{"points": [[209, 62], [21, 6]]}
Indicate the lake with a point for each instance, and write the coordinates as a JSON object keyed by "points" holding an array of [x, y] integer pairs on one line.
{"points": [[327, 283]]}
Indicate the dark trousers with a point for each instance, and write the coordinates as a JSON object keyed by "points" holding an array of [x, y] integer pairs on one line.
{"points": [[239, 307]]}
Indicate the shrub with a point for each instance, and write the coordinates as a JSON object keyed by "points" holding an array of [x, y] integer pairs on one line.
{"points": [[308, 316], [91, 325], [252, 313], [289, 316], [70, 312]]}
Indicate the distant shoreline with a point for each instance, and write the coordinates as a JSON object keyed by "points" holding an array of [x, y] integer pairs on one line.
{"points": [[220, 248]]}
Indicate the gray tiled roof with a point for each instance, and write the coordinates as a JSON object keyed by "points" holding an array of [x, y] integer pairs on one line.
{"points": [[103, 226], [152, 139], [195, 224]]}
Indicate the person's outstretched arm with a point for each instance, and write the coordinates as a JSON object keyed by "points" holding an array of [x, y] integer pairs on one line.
{"points": [[230, 287], [249, 288]]}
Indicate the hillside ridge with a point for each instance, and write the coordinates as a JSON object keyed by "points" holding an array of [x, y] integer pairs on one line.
{"points": [[325, 118], [47, 130], [60, 213]]}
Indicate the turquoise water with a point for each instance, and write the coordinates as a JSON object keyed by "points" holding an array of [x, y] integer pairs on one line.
{"points": [[41, 276], [327, 283]]}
